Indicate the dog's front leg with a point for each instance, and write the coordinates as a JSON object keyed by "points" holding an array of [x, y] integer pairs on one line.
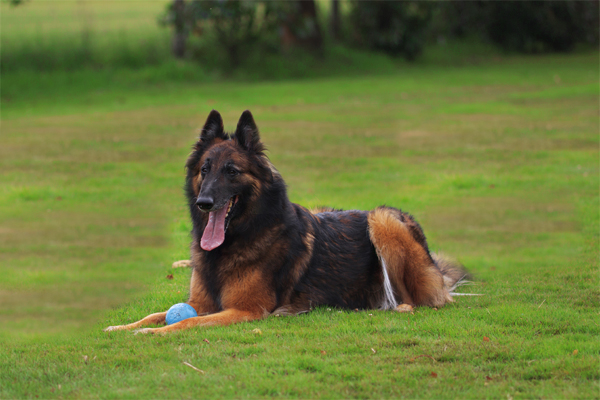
{"points": [[152, 319], [225, 317], [199, 299]]}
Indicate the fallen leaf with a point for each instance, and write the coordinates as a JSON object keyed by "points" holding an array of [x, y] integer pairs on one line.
{"points": [[575, 352], [487, 378], [433, 375], [323, 352], [257, 331], [170, 276], [486, 339], [206, 340], [373, 350]]}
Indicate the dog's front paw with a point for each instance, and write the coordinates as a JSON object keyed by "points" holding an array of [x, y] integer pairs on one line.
{"points": [[115, 328]]}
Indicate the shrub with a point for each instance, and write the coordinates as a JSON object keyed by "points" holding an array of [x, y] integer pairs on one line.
{"points": [[396, 27], [231, 22], [537, 26], [524, 26], [237, 28]]}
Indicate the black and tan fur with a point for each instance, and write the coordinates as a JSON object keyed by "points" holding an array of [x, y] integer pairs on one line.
{"points": [[280, 258]]}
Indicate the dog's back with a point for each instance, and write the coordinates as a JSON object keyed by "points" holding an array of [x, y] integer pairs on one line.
{"points": [[369, 259]]}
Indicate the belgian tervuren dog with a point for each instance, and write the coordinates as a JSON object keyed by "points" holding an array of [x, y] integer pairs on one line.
{"points": [[254, 253]]}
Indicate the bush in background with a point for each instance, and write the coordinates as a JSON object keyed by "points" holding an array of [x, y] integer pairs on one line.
{"points": [[523, 26], [227, 35], [231, 23], [539, 26], [296, 23], [398, 28], [238, 28]]}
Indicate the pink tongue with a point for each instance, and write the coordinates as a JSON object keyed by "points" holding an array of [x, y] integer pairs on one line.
{"points": [[214, 233]]}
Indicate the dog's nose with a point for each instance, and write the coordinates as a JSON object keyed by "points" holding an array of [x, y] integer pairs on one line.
{"points": [[205, 203]]}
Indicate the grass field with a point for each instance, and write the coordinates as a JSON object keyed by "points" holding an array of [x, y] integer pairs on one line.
{"points": [[497, 157], [68, 34]]}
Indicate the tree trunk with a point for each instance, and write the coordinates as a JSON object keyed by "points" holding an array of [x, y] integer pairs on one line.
{"points": [[300, 27], [335, 20], [308, 10], [180, 34]]}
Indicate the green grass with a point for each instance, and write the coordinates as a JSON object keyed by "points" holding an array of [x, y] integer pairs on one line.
{"points": [[496, 155], [69, 34]]}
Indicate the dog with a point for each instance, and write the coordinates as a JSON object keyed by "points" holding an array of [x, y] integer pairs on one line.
{"points": [[254, 253]]}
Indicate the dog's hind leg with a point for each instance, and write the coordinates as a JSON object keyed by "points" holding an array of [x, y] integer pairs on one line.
{"points": [[401, 247]]}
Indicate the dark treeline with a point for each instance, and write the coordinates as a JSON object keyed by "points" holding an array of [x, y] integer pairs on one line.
{"points": [[399, 28], [266, 39]]}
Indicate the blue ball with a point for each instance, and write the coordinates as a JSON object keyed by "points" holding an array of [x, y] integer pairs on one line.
{"points": [[179, 312]]}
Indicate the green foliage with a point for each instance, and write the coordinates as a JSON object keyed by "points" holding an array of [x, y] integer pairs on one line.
{"points": [[524, 26], [396, 27], [538, 26], [296, 24], [241, 28], [232, 23]]}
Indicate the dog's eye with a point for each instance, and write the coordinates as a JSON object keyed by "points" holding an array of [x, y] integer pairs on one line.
{"points": [[232, 172], [204, 170]]}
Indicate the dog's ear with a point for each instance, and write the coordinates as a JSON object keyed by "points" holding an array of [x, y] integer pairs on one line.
{"points": [[247, 137], [213, 127], [246, 133]]}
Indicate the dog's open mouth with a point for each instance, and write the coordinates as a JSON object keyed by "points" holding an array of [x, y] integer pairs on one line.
{"points": [[218, 221]]}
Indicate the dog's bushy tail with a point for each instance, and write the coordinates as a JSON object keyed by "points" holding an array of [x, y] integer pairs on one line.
{"points": [[454, 273]]}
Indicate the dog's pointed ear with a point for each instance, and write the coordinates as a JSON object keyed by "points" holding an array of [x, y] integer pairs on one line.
{"points": [[213, 127], [246, 133]]}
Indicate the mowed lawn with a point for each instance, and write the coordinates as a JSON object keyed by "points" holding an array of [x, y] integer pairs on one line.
{"points": [[497, 159]]}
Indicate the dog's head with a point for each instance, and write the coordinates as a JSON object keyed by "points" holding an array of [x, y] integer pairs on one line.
{"points": [[225, 176]]}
